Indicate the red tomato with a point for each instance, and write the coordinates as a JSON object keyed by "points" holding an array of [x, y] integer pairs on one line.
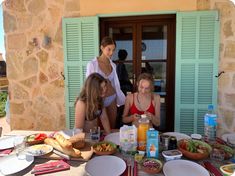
{"points": [[183, 145], [40, 136]]}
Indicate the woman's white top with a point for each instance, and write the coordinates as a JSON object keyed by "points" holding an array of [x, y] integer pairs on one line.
{"points": [[93, 66]]}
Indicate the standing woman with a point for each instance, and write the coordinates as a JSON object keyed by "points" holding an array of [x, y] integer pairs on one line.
{"points": [[89, 105], [144, 101], [104, 66]]}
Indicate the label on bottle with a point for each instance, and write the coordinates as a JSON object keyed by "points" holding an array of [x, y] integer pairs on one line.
{"points": [[210, 124], [210, 119]]}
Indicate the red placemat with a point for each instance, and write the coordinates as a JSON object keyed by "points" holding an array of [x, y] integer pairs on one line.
{"points": [[135, 173], [50, 167], [5, 152]]}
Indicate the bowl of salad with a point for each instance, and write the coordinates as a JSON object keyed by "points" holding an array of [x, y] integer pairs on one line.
{"points": [[194, 149]]}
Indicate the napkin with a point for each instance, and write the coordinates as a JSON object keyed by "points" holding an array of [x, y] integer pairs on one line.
{"points": [[212, 169], [50, 167], [5, 152], [135, 172]]}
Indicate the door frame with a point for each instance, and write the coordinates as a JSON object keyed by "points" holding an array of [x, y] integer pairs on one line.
{"points": [[171, 53]]}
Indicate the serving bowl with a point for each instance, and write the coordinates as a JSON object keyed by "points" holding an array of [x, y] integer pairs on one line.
{"points": [[151, 165], [37, 138], [104, 148], [194, 149]]}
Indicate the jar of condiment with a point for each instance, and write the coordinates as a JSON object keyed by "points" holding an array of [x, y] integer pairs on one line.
{"points": [[172, 143], [164, 142]]}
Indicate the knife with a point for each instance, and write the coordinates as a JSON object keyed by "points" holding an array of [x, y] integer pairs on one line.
{"points": [[61, 154]]}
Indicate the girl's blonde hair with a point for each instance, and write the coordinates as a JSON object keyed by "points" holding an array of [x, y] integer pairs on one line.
{"points": [[91, 95], [148, 77]]}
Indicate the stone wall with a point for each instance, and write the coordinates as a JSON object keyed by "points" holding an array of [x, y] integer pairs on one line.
{"points": [[34, 52], [226, 93], [33, 36]]}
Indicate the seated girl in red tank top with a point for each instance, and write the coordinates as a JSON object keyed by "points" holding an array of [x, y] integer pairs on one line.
{"points": [[142, 102]]}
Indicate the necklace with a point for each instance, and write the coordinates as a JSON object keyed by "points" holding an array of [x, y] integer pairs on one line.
{"points": [[138, 100]]}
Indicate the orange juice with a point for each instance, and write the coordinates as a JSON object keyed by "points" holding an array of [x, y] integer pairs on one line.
{"points": [[142, 132]]}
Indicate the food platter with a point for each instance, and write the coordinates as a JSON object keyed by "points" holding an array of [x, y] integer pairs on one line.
{"points": [[39, 149], [104, 148], [37, 138]]}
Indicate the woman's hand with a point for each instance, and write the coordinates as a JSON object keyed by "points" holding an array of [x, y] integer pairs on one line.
{"points": [[149, 115]]}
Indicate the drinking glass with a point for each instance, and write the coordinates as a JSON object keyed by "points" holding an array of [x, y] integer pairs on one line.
{"points": [[19, 146], [95, 134]]}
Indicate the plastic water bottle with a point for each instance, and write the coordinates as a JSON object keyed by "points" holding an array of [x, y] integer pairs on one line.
{"points": [[210, 124]]}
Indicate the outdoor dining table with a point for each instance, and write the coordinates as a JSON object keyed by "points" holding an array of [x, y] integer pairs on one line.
{"points": [[77, 168]]}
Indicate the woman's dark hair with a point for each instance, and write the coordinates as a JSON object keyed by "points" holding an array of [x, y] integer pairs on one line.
{"points": [[122, 54], [90, 95], [107, 41]]}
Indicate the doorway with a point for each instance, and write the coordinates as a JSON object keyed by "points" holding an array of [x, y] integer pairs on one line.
{"points": [[150, 44]]}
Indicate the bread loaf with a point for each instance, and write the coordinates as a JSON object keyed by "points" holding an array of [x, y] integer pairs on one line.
{"points": [[78, 140], [68, 151], [63, 141]]}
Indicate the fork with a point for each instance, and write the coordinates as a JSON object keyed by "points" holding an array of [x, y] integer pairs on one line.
{"points": [[128, 166], [47, 168], [132, 166]]}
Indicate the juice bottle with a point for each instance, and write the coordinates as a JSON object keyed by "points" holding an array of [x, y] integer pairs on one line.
{"points": [[152, 143], [142, 132]]}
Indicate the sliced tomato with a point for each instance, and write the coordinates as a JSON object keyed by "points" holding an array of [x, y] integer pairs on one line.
{"points": [[40, 136], [183, 145]]}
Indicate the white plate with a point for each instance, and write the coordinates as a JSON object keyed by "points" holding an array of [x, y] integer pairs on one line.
{"points": [[113, 137], [105, 166], [8, 142], [39, 150], [11, 164], [225, 136], [184, 168], [70, 132], [178, 136]]}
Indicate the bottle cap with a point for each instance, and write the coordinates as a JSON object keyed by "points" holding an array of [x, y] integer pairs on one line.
{"points": [[143, 116], [210, 107]]}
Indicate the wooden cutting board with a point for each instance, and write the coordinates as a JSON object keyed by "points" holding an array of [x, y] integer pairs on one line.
{"points": [[86, 154]]}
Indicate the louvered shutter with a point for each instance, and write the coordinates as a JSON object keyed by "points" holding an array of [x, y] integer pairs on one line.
{"points": [[197, 48], [81, 44]]}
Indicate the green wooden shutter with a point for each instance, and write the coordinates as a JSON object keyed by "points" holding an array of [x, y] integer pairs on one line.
{"points": [[197, 48], [81, 44]]}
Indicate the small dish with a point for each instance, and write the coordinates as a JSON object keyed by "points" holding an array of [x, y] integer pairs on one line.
{"points": [[151, 165], [104, 148], [231, 141], [39, 149], [196, 136], [37, 138], [172, 154], [228, 169]]}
